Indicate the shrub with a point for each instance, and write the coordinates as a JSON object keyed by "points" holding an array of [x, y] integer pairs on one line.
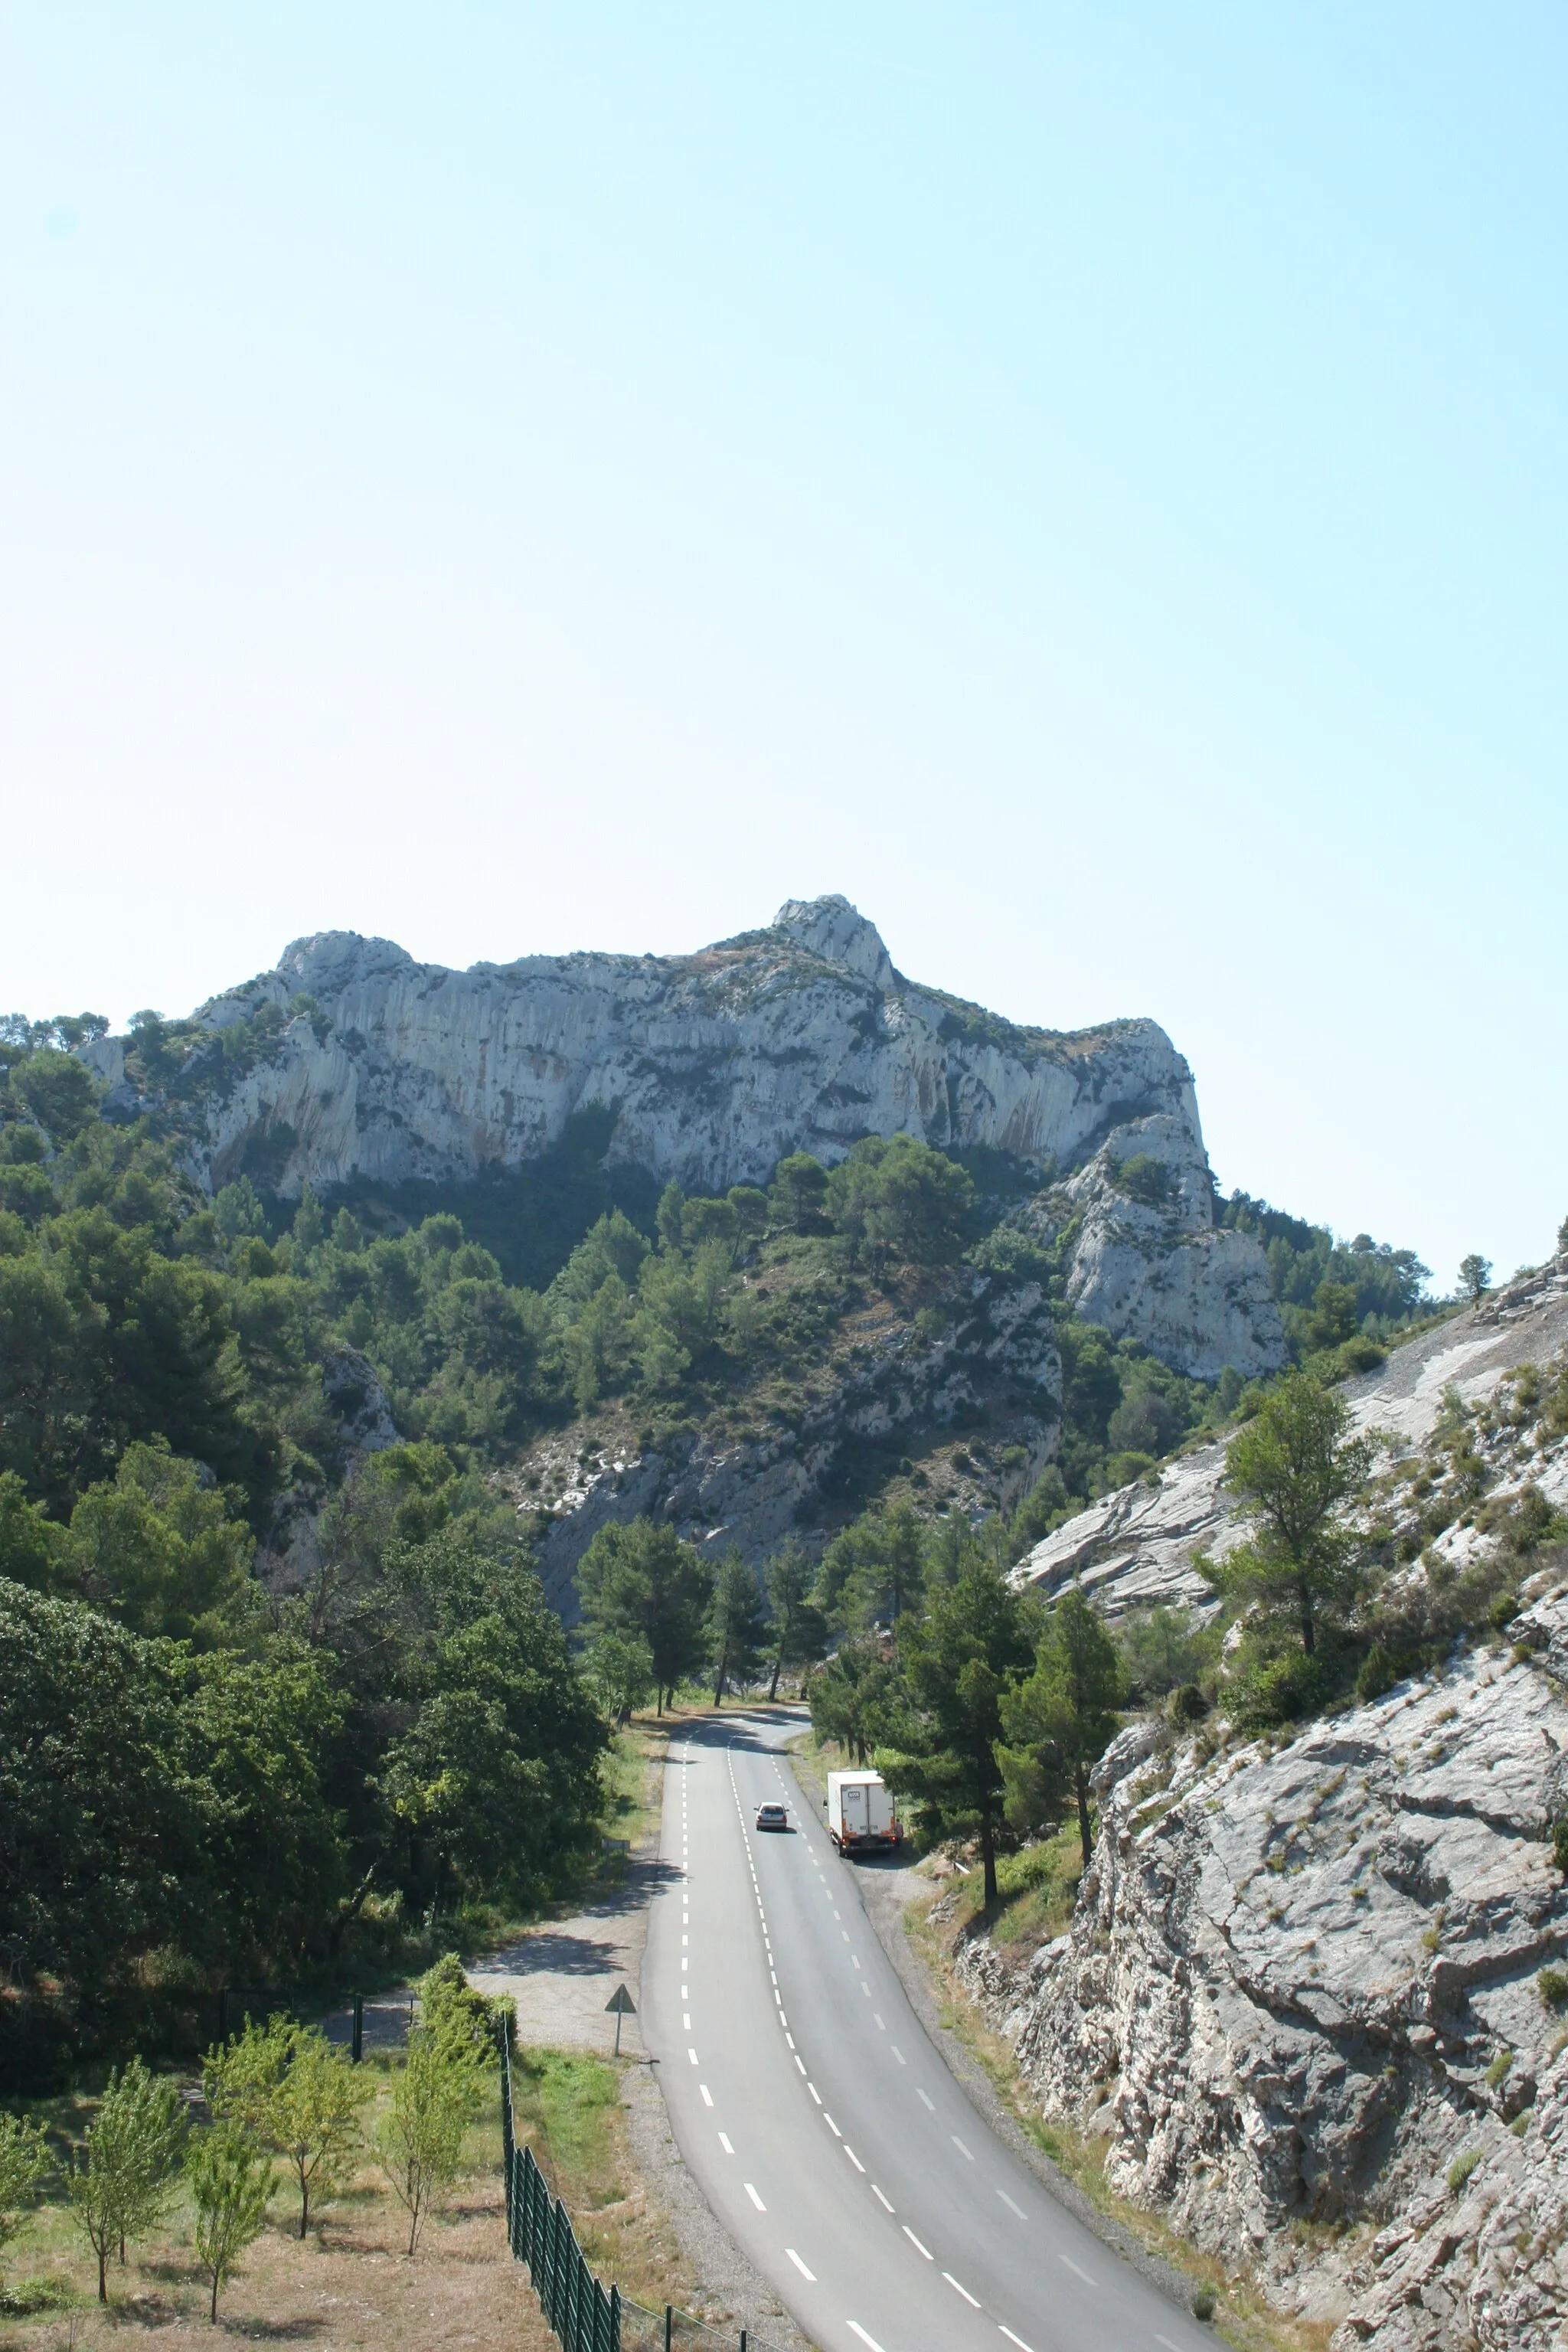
{"points": [[1461, 2168], [1187, 1705], [1559, 1846], [1552, 1984], [1503, 1611], [1498, 2072], [1280, 1690], [1202, 2303], [1380, 1670], [1143, 1177]]}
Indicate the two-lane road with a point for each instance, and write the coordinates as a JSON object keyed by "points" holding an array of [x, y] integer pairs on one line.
{"points": [[821, 2124]]}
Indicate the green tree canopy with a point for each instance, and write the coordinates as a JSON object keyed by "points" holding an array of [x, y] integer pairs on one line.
{"points": [[895, 1196], [957, 1662], [798, 1632], [736, 1623], [1295, 1466], [639, 1577], [1058, 1722], [852, 1697]]}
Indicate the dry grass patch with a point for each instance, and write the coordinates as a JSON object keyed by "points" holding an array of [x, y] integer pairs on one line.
{"points": [[346, 2285]]}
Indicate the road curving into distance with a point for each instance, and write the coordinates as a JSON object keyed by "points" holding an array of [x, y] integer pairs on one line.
{"points": [[823, 2127]]}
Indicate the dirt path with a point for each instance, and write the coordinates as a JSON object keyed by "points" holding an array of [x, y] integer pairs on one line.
{"points": [[561, 1975]]}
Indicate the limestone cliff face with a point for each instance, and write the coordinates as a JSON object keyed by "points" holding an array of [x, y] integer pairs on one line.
{"points": [[801, 1036], [1300, 1990]]}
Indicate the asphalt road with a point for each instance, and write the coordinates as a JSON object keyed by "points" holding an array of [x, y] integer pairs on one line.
{"points": [[822, 2125]]}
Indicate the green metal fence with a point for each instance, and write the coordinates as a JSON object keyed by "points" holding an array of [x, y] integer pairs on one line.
{"points": [[585, 2316], [540, 2233]]}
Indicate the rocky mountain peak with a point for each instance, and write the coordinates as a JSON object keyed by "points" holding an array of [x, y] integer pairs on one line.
{"points": [[837, 932], [326, 962]]}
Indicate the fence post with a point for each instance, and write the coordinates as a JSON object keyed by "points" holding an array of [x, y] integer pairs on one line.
{"points": [[356, 2046], [668, 2324]]}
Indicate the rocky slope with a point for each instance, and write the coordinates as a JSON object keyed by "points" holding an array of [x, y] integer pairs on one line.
{"points": [[976, 1404], [1300, 1992], [714, 1066], [1134, 1548]]}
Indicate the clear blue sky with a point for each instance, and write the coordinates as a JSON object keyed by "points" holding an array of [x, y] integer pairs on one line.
{"points": [[1086, 481]]}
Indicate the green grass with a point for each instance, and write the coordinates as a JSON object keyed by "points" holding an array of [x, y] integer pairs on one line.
{"points": [[574, 2103]]}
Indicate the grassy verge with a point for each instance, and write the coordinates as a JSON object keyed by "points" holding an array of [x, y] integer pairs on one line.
{"points": [[1241, 2314], [568, 2108]]}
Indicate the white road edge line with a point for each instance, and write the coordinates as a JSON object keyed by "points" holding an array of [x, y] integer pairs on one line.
{"points": [[755, 2199], [1075, 2270], [1026, 2347], [706, 2094], [962, 2150], [880, 2197], [963, 2291], [856, 2329], [812, 2276], [917, 2245], [1010, 2206]]}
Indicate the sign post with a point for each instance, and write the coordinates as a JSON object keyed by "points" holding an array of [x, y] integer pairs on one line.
{"points": [[620, 2004]]}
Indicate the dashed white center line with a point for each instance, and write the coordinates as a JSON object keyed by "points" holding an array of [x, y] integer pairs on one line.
{"points": [[816, 2093], [755, 2199], [880, 2197], [963, 2291], [692, 2055], [853, 2158], [706, 2094], [1075, 2270], [1158, 2339], [1026, 2347], [930, 2101], [812, 2276], [898, 2053], [917, 2245], [800, 2062], [1010, 2206], [962, 2150], [832, 2126], [880, 2027], [856, 2329], [724, 2143]]}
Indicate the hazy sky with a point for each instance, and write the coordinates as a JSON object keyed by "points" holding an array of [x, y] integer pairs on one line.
{"points": [[1086, 481]]}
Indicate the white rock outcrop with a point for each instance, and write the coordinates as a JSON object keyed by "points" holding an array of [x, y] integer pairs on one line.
{"points": [[713, 1067], [1301, 1987], [1134, 1548]]}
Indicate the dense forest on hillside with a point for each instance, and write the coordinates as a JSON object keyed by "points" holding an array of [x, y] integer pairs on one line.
{"points": [[204, 1779]]}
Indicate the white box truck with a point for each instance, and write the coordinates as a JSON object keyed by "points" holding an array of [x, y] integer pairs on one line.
{"points": [[861, 1815]]}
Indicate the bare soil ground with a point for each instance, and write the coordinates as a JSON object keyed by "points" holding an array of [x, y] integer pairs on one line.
{"points": [[350, 2284]]}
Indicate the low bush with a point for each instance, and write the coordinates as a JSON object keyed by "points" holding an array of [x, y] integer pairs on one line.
{"points": [[1280, 1690]]}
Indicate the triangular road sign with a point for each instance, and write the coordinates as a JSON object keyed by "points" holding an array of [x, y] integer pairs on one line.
{"points": [[620, 2003]]}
